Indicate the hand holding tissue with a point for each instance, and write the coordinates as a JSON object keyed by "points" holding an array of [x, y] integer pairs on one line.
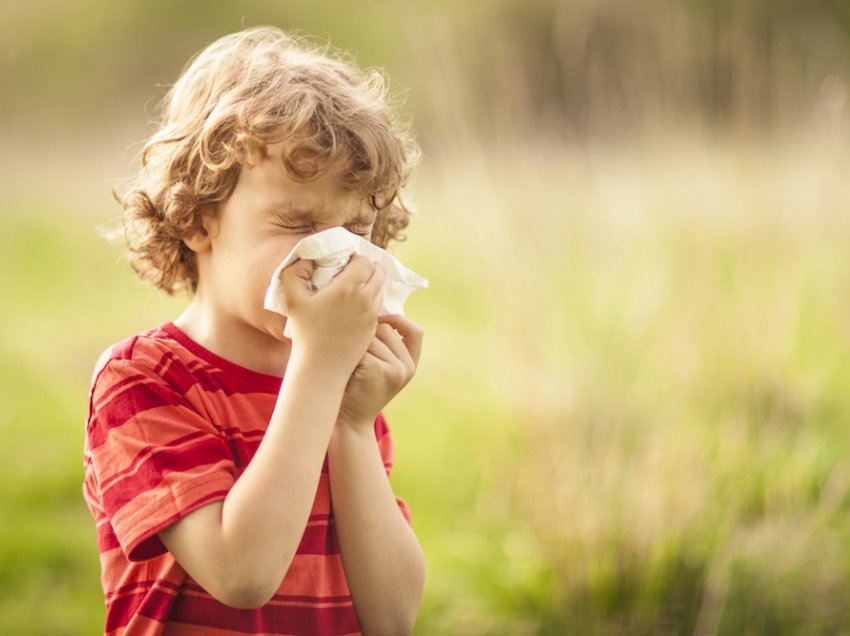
{"points": [[330, 250]]}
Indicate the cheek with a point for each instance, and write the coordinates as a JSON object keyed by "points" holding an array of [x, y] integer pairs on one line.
{"points": [[245, 275], [273, 254], [249, 276], [268, 258]]}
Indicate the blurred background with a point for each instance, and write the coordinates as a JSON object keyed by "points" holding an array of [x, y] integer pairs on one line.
{"points": [[631, 414]]}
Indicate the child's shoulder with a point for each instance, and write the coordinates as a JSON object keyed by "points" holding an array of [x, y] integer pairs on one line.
{"points": [[145, 350]]}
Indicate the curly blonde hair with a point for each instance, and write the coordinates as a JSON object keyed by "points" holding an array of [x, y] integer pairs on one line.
{"points": [[243, 92]]}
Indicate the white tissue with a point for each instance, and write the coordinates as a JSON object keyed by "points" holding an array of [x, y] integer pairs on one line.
{"points": [[331, 250]]}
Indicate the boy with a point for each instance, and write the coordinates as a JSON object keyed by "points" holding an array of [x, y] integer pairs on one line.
{"points": [[238, 478]]}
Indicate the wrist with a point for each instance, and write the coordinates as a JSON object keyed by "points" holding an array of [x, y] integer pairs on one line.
{"points": [[347, 428], [350, 441], [318, 367]]}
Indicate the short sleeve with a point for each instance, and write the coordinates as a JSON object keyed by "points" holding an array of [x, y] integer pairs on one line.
{"points": [[385, 446], [154, 458]]}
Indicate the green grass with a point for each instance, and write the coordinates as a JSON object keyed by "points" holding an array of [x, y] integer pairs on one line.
{"points": [[629, 417]]}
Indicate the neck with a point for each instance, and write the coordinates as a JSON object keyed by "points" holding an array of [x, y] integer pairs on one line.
{"points": [[233, 339]]}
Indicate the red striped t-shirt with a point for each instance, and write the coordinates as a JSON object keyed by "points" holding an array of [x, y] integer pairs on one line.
{"points": [[171, 426]]}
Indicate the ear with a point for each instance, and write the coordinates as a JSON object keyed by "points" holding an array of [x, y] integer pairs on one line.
{"points": [[200, 240]]}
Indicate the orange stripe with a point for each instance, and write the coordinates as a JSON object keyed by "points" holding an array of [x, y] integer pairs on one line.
{"points": [[151, 511], [323, 575], [237, 415]]}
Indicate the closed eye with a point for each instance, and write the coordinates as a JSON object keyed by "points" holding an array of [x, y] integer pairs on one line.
{"points": [[359, 230], [294, 227]]}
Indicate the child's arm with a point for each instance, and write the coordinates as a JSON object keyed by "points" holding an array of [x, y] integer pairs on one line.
{"points": [[239, 549], [383, 561]]}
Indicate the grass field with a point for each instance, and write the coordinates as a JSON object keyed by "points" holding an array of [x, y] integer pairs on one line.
{"points": [[630, 417]]}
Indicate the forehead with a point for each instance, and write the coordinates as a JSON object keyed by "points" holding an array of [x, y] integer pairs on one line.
{"points": [[272, 190]]}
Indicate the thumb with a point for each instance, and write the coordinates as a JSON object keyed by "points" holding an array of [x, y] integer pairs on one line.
{"points": [[296, 279]]}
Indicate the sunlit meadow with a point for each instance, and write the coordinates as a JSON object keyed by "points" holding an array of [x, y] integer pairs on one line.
{"points": [[654, 344], [630, 414], [629, 417]]}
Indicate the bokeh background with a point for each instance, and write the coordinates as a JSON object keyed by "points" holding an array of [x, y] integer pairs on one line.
{"points": [[632, 412]]}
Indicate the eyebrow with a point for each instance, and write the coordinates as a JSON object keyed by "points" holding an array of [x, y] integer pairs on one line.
{"points": [[295, 212]]}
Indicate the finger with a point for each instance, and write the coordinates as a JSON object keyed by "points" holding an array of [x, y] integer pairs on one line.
{"points": [[376, 280], [358, 270], [368, 361], [393, 342], [296, 277], [379, 348], [411, 333], [375, 285]]}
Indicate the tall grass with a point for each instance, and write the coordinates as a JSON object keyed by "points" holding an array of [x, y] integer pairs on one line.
{"points": [[661, 334], [630, 414]]}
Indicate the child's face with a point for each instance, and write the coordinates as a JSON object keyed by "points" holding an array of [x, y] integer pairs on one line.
{"points": [[267, 214]]}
